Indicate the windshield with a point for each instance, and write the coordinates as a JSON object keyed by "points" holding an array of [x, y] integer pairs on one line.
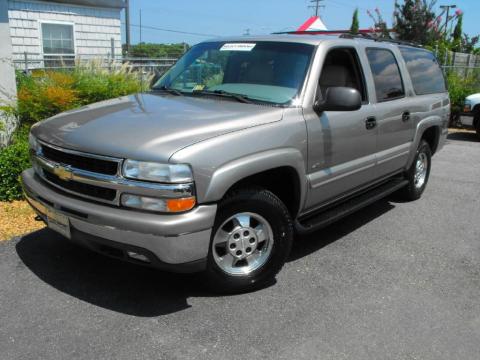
{"points": [[271, 72]]}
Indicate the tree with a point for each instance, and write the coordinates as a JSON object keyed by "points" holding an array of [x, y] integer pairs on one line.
{"points": [[415, 21], [380, 26], [147, 50], [457, 36], [355, 25]]}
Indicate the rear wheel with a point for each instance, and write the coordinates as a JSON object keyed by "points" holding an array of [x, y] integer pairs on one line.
{"points": [[251, 241], [477, 125], [418, 173]]}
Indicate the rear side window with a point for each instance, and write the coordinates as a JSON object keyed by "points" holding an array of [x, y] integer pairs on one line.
{"points": [[426, 75], [386, 74]]}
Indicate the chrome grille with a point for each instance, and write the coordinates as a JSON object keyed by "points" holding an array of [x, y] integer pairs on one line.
{"points": [[95, 164]]}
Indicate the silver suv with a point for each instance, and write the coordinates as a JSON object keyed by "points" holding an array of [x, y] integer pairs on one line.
{"points": [[244, 143]]}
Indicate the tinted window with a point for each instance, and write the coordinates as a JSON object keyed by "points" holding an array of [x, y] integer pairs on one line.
{"points": [[426, 75], [386, 74], [341, 68]]}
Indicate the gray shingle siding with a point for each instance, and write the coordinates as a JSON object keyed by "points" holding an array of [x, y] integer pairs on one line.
{"points": [[93, 27]]}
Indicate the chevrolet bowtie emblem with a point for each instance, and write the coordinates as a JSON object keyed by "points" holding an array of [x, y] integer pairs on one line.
{"points": [[63, 173]]}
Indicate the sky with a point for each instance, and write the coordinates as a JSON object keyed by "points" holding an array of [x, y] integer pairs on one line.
{"points": [[205, 19]]}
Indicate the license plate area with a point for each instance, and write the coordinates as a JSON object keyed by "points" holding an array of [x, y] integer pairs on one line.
{"points": [[58, 222]]}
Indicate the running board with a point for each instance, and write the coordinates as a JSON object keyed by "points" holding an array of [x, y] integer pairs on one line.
{"points": [[326, 217]]}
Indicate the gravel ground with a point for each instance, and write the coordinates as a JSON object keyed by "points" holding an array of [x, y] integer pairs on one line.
{"points": [[394, 281]]}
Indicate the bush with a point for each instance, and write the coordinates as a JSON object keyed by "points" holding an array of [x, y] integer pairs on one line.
{"points": [[46, 93], [13, 160], [460, 86]]}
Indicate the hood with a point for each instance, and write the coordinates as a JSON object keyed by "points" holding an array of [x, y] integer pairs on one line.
{"points": [[150, 127], [473, 98]]}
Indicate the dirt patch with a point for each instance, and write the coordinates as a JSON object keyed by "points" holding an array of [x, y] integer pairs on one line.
{"points": [[17, 218]]}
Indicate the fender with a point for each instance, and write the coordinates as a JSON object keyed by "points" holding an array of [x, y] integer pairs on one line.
{"points": [[431, 121], [232, 172]]}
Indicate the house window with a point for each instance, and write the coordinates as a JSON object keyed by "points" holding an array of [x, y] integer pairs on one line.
{"points": [[58, 46]]}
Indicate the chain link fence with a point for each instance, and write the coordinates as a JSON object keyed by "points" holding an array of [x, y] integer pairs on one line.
{"points": [[32, 61]]}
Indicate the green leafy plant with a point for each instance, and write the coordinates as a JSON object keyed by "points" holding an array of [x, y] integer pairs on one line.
{"points": [[13, 160], [461, 85], [46, 93]]}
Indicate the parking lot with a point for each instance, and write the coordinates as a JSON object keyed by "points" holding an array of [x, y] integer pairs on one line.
{"points": [[394, 281]]}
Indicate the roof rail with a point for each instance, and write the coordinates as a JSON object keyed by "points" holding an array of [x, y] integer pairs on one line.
{"points": [[380, 39], [344, 34]]}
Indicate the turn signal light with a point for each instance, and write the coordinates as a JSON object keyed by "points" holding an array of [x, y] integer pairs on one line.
{"points": [[179, 205]]}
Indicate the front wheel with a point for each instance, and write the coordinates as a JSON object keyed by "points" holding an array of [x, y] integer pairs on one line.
{"points": [[418, 173], [250, 242]]}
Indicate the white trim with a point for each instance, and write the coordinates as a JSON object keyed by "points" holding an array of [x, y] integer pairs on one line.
{"points": [[58, 22]]}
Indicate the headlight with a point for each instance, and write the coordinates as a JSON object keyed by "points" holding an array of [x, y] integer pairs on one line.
{"points": [[33, 143], [159, 205], [467, 107], [150, 171]]}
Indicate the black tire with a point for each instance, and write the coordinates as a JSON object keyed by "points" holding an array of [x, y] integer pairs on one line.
{"points": [[412, 191], [477, 125], [272, 209]]}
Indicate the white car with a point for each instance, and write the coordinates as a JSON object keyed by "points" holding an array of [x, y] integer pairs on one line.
{"points": [[470, 117]]}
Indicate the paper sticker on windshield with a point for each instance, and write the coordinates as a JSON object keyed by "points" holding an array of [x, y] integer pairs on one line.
{"points": [[237, 47], [198, 87]]}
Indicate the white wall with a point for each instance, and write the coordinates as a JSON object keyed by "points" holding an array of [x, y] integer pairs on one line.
{"points": [[93, 27], [8, 89]]}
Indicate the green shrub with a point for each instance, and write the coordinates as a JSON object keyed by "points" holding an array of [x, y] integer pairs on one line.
{"points": [[460, 86], [43, 94], [13, 160]]}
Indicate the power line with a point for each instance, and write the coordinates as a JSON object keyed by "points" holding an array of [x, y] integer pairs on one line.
{"points": [[316, 6], [172, 30]]}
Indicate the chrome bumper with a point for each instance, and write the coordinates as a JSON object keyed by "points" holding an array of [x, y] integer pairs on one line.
{"points": [[173, 239]]}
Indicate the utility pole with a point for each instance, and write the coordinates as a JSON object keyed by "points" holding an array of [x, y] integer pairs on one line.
{"points": [[316, 6], [447, 8], [140, 13], [127, 25]]}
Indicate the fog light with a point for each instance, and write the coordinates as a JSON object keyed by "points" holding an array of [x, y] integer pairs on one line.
{"points": [[137, 256], [158, 205]]}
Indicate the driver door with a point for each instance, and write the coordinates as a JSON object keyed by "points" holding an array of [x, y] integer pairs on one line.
{"points": [[341, 144]]}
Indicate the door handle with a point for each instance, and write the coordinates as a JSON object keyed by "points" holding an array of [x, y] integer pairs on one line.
{"points": [[406, 116], [370, 123]]}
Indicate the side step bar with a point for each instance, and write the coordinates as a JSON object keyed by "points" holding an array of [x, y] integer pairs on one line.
{"points": [[323, 218]]}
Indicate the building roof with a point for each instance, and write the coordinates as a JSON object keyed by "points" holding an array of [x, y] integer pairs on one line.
{"points": [[118, 4]]}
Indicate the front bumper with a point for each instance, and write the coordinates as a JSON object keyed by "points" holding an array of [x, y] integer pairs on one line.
{"points": [[466, 119], [174, 242]]}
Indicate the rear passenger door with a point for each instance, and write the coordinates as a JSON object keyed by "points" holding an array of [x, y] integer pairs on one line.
{"points": [[395, 128]]}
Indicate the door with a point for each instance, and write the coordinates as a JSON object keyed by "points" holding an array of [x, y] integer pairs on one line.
{"points": [[341, 144], [395, 126]]}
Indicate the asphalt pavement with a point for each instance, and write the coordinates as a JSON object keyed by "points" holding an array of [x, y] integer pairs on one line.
{"points": [[393, 281]]}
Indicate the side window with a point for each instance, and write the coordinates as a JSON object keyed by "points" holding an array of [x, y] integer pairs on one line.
{"points": [[386, 74], [341, 68], [426, 75]]}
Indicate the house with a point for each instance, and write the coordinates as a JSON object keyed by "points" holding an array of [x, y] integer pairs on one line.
{"points": [[39, 34], [62, 30]]}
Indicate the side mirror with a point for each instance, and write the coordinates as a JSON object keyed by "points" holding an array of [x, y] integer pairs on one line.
{"points": [[339, 99]]}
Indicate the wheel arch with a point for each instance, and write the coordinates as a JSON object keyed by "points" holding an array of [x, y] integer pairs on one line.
{"points": [[279, 171]]}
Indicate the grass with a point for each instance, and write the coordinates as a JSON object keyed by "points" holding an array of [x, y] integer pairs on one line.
{"points": [[17, 218]]}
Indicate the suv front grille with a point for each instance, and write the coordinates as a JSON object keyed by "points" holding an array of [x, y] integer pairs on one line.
{"points": [[82, 188], [101, 166]]}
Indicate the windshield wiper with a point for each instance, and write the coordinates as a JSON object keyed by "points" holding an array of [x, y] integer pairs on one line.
{"points": [[240, 98], [169, 90]]}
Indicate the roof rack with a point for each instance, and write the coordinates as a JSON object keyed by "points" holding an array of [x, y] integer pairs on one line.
{"points": [[380, 39], [346, 35]]}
